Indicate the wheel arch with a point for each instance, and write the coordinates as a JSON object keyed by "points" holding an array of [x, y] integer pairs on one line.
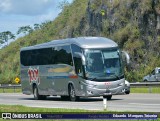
{"points": [[70, 83]]}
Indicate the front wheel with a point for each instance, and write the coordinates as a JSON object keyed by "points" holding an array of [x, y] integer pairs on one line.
{"points": [[72, 94], [108, 97], [127, 92]]}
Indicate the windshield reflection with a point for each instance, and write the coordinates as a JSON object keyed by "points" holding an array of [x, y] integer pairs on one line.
{"points": [[103, 64]]}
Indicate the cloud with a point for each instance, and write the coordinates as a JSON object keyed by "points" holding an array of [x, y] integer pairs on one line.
{"points": [[5, 5], [46, 17], [17, 13], [27, 7]]}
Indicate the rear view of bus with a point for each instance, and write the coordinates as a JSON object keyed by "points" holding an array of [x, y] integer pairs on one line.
{"points": [[73, 68]]}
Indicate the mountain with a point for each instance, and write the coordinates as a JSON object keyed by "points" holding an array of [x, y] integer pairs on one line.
{"points": [[133, 24]]}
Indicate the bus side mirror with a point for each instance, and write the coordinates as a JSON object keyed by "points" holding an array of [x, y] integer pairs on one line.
{"points": [[126, 58], [82, 57]]}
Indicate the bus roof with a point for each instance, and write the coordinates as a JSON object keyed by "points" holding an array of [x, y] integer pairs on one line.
{"points": [[83, 42]]}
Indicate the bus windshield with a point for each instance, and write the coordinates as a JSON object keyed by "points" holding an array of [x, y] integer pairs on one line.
{"points": [[103, 64]]}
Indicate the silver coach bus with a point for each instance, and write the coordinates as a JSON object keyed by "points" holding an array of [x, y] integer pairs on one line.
{"points": [[73, 68]]}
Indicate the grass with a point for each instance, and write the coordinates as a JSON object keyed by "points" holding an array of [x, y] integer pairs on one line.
{"points": [[10, 90], [19, 108], [155, 90], [24, 109]]}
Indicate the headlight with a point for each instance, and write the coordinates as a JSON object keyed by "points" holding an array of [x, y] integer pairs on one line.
{"points": [[121, 84], [91, 85]]}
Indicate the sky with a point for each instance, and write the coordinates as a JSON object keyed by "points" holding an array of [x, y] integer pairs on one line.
{"points": [[18, 13]]}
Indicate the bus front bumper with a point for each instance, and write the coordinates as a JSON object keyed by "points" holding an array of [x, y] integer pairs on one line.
{"points": [[104, 92]]}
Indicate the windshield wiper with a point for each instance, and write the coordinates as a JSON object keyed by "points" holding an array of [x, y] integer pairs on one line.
{"points": [[119, 77], [116, 76]]}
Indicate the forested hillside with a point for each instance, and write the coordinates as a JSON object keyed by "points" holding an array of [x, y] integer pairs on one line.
{"points": [[133, 24]]}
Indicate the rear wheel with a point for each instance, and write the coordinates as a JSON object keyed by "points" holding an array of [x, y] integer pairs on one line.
{"points": [[72, 94], [65, 97], [108, 97], [36, 94]]}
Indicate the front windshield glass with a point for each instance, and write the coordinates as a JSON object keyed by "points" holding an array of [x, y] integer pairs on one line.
{"points": [[103, 64]]}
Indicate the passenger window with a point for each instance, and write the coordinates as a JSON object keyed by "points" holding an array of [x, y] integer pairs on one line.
{"points": [[78, 65], [77, 60], [63, 55], [153, 72]]}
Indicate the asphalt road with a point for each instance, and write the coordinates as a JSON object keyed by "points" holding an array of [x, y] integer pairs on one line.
{"points": [[131, 102]]}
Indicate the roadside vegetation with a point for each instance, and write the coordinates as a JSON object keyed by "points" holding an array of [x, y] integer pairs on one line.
{"points": [[19, 108], [151, 90], [5, 90], [134, 25]]}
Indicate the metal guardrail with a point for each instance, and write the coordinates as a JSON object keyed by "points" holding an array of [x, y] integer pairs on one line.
{"points": [[145, 84], [149, 85], [9, 86]]}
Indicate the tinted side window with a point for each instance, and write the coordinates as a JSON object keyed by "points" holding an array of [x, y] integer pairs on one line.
{"points": [[43, 56], [25, 57], [46, 56], [153, 72], [77, 59], [37, 57], [63, 55]]}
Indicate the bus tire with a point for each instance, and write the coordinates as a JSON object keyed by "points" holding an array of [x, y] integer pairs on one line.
{"points": [[127, 92], [72, 93], [36, 94], [108, 97], [65, 98]]}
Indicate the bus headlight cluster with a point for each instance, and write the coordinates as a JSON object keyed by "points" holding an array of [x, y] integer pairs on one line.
{"points": [[121, 84], [89, 92], [91, 85]]}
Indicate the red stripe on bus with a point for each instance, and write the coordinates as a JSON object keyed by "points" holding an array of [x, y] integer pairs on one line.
{"points": [[73, 76]]}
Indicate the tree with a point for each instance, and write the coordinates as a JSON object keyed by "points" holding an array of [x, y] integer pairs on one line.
{"points": [[25, 30], [5, 36], [45, 24], [1, 41], [62, 5], [37, 26]]}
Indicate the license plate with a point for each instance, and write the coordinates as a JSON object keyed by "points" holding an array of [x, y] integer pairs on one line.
{"points": [[107, 93]]}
